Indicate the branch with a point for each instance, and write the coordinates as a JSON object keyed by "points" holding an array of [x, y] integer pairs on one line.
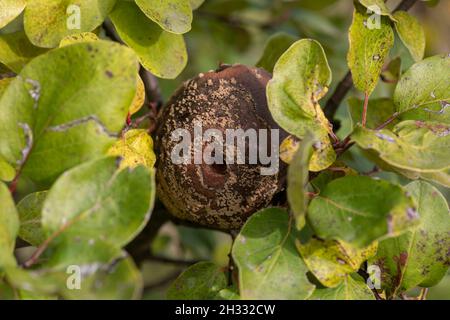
{"points": [[180, 262], [152, 91], [346, 83]]}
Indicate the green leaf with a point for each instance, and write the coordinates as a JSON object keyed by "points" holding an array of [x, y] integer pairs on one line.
{"points": [[47, 22], [7, 291], [368, 50], [29, 209], [382, 109], [9, 226], [411, 33], [377, 7], [172, 15], [162, 53], [298, 177], [135, 148], [352, 288], [339, 170], [360, 210], [275, 46], [411, 145], [228, 294], [9, 10], [105, 273], [201, 281], [16, 50], [49, 125], [95, 200], [300, 79], [420, 256], [119, 280], [425, 86], [268, 262], [4, 83], [331, 261]]}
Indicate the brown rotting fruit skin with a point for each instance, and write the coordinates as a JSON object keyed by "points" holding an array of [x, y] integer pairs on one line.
{"points": [[217, 196]]}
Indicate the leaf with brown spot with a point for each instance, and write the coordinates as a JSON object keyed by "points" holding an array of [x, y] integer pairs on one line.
{"points": [[419, 257]]}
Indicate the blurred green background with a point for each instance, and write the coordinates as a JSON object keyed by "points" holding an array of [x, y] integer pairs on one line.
{"points": [[235, 31]]}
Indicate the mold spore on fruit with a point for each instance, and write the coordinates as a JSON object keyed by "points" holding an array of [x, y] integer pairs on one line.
{"points": [[220, 196]]}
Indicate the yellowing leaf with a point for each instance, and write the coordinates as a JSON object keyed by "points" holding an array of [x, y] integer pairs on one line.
{"points": [[135, 148], [331, 261], [139, 98], [352, 288], [82, 37], [9, 10], [47, 22], [369, 47], [300, 79], [288, 148], [412, 145], [16, 50]]}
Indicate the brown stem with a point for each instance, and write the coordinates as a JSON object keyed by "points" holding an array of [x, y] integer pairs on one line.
{"points": [[40, 250], [364, 114], [405, 5], [338, 95], [170, 260], [347, 82], [389, 120], [152, 90]]}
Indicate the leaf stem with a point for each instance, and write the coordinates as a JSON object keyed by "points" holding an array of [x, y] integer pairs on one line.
{"points": [[364, 114]]}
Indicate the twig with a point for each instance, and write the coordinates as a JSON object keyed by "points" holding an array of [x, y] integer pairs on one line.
{"points": [[171, 260], [363, 273], [372, 172], [338, 95], [40, 250], [347, 82], [423, 294], [231, 264], [405, 5], [152, 91], [389, 120]]}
